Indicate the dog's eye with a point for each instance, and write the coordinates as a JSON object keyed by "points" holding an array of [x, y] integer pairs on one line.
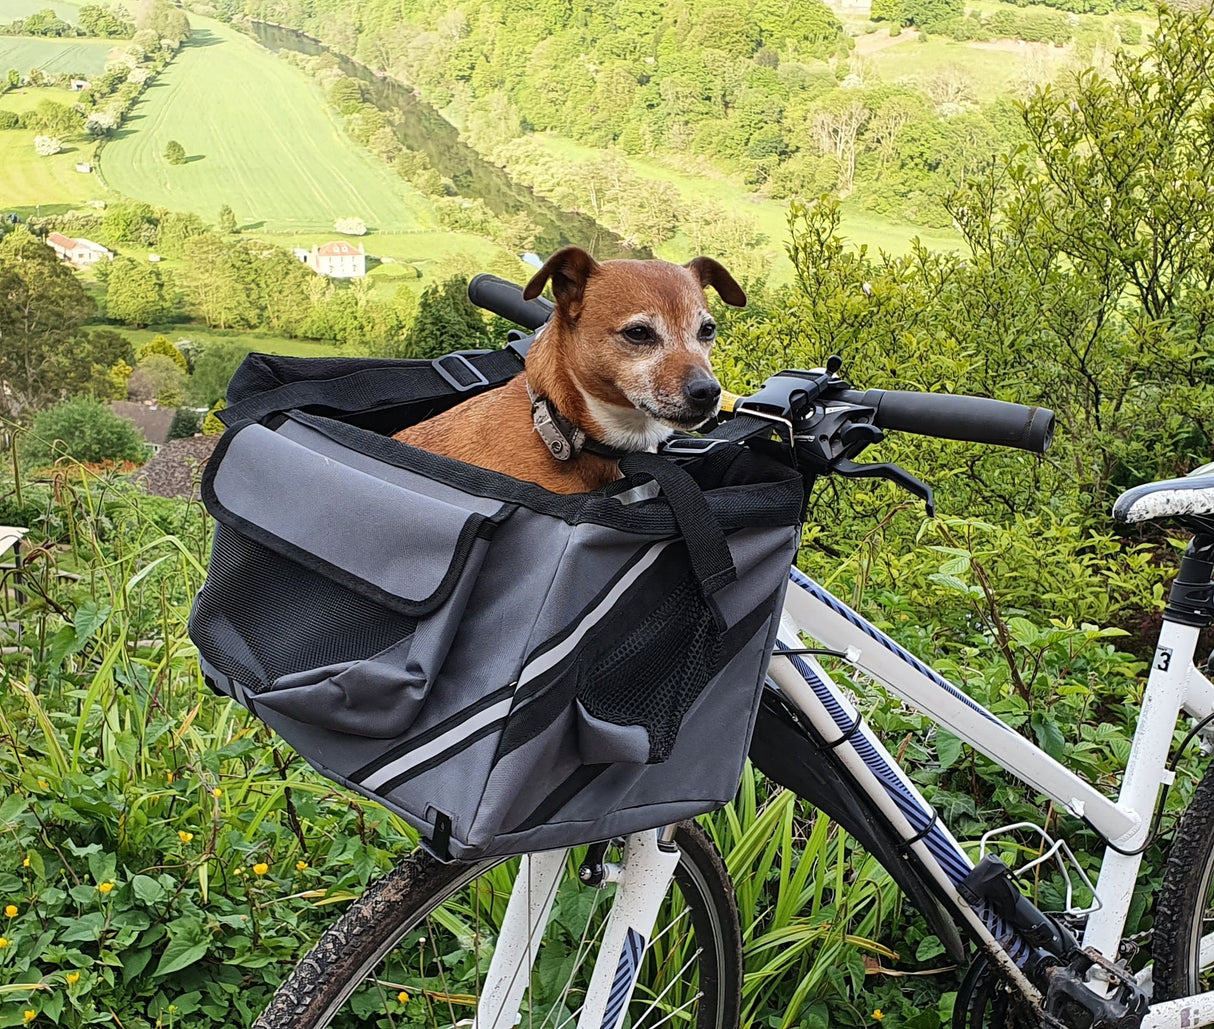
{"points": [[708, 331], [638, 334]]}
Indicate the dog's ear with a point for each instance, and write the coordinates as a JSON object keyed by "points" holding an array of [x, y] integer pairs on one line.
{"points": [[712, 273], [568, 269]]}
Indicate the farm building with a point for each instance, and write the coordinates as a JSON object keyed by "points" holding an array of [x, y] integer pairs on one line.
{"points": [[80, 84], [338, 260], [80, 252]]}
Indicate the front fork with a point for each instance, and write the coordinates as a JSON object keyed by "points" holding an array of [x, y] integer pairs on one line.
{"points": [[641, 881]]}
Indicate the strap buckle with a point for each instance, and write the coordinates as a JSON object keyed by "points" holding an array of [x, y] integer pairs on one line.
{"points": [[459, 373]]}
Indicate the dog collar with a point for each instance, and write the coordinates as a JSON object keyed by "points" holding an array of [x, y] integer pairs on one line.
{"points": [[563, 439]]}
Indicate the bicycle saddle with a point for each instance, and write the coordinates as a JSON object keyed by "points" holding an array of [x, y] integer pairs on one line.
{"points": [[1191, 495]]}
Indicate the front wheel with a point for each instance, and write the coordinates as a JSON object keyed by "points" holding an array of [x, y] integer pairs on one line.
{"points": [[413, 950], [1183, 947]]}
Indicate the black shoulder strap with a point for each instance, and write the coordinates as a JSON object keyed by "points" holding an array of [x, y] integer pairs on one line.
{"points": [[391, 383], [710, 557]]}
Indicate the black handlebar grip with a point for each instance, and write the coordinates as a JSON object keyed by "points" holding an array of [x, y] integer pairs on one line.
{"points": [[506, 299], [970, 419]]}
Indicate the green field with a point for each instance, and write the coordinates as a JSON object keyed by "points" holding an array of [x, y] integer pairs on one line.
{"points": [[259, 138], [55, 56], [264, 343], [30, 184], [10, 10]]}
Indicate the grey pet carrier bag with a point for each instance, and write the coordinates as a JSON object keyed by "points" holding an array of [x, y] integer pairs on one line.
{"points": [[506, 668]]}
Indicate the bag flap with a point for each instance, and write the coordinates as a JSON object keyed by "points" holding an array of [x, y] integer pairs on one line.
{"points": [[396, 545]]}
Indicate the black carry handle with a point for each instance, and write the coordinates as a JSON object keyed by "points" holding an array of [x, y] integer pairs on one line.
{"points": [[711, 560], [506, 299], [968, 419]]}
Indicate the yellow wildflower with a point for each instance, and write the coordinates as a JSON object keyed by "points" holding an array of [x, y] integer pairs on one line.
{"points": [[261, 868], [46, 786], [300, 866], [105, 887], [73, 978], [878, 1014], [29, 1015], [10, 911], [238, 871], [184, 836], [25, 862], [216, 792], [168, 776], [403, 997], [3, 942]]}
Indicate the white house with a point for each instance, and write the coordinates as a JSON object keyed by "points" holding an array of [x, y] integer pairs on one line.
{"points": [[80, 252], [338, 260]]}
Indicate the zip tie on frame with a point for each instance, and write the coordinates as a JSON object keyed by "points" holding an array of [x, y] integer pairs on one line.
{"points": [[904, 846], [851, 732]]}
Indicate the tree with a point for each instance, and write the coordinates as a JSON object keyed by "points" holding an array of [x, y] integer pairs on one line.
{"points": [[46, 146], [160, 346], [44, 352], [174, 152], [227, 220], [446, 320], [213, 370], [157, 378], [84, 429], [218, 281], [185, 423], [136, 293]]}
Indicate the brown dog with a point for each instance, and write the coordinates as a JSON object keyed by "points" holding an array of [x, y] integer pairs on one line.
{"points": [[622, 363]]}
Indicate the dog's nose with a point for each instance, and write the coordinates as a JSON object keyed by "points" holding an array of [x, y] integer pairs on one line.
{"points": [[702, 390]]}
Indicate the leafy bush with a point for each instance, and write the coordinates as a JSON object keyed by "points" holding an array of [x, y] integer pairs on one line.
{"points": [[83, 429], [9, 120], [174, 152], [47, 146]]}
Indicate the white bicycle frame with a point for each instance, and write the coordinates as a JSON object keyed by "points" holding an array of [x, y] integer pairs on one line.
{"points": [[1174, 686]]}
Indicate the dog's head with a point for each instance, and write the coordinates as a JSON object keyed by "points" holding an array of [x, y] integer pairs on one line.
{"points": [[634, 338]]}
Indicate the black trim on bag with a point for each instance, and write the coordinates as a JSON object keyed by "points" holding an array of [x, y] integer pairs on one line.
{"points": [[783, 497], [442, 757], [558, 798], [476, 526], [433, 733]]}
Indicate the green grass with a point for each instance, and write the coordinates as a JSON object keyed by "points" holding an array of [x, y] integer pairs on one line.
{"points": [[55, 56], [282, 163], [263, 342], [29, 181]]}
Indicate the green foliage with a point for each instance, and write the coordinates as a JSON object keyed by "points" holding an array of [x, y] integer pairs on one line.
{"points": [[161, 345], [185, 423], [174, 152], [211, 425], [226, 220], [82, 429], [446, 320], [136, 294], [157, 378], [213, 369]]}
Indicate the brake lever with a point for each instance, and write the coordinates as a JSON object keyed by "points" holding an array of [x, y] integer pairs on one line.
{"points": [[899, 476]]}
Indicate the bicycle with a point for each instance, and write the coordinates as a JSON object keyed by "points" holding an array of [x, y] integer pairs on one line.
{"points": [[644, 931]]}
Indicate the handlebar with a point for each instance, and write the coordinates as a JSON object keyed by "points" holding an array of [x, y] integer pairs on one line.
{"points": [[506, 299], [963, 418]]}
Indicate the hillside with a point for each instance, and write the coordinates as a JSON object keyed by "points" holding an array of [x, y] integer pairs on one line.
{"points": [[282, 163]]}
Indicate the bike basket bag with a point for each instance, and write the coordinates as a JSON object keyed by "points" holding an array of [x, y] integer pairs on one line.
{"points": [[506, 668]]}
